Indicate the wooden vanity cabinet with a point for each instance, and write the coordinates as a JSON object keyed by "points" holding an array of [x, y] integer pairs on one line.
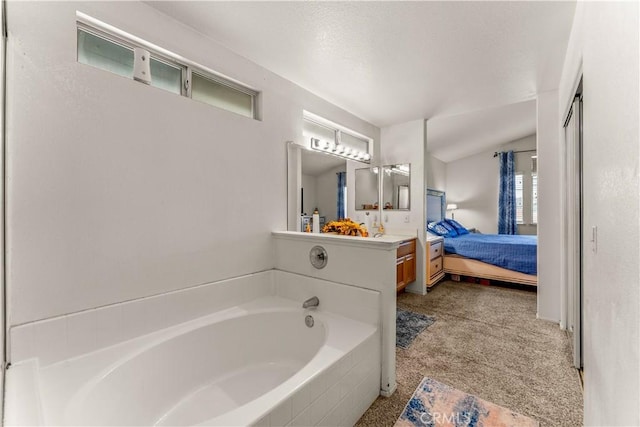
{"points": [[405, 264]]}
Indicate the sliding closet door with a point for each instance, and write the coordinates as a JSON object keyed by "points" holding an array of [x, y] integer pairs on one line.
{"points": [[573, 222], [3, 78]]}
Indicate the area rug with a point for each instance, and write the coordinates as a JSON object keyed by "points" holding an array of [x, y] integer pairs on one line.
{"points": [[409, 325], [436, 404]]}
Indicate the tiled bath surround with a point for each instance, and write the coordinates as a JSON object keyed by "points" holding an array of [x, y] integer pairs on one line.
{"points": [[337, 397], [67, 336]]}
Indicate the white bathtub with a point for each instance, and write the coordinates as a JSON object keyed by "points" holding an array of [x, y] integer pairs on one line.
{"points": [[256, 363]]}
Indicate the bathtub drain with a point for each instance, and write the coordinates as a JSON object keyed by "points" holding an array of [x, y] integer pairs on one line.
{"points": [[309, 321]]}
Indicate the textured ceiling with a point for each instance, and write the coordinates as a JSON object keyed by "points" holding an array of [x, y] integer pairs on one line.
{"points": [[391, 62]]}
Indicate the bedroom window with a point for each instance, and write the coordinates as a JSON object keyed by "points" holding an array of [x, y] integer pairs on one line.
{"points": [[519, 198]]}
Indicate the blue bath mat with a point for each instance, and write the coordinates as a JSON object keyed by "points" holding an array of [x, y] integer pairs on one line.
{"points": [[409, 325], [435, 404]]}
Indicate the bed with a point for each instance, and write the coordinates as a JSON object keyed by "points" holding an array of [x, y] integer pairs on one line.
{"points": [[507, 258], [500, 257]]}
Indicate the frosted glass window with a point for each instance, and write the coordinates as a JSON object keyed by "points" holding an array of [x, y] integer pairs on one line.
{"points": [[165, 76], [104, 54], [103, 49], [354, 142], [221, 96], [314, 130]]}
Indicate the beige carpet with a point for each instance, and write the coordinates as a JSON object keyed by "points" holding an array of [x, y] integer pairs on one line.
{"points": [[487, 341]]}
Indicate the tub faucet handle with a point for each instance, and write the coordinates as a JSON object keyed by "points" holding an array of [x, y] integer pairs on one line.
{"points": [[312, 302]]}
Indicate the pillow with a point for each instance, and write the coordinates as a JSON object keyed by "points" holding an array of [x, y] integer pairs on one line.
{"points": [[442, 228], [452, 231], [457, 226], [435, 228]]}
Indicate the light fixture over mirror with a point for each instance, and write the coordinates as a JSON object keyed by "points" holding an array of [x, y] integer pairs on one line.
{"points": [[323, 142], [330, 138], [396, 182]]}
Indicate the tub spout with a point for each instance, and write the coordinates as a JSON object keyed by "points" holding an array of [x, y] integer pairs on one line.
{"points": [[311, 303]]}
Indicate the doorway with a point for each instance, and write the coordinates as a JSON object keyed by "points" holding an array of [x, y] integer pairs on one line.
{"points": [[573, 220]]}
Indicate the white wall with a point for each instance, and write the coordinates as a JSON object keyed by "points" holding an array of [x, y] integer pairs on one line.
{"points": [[405, 143], [604, 45], [436, 171], [473, 184], [549, 227], [117, 190]]}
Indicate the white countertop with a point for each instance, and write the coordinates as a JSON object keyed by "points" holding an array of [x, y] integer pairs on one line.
{"points": [[386, 241]]}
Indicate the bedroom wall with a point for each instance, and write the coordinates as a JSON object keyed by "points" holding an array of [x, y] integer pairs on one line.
{"points": [[436, 171], [473, 182], [123, 190], [604, 46]]}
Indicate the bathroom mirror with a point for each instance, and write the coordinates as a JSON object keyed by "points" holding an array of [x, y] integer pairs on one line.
{"points": [[396, 182], [320, 183], [314, 179], [367, 194]]}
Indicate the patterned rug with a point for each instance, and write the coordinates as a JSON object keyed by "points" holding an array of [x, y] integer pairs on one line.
{"points": [[409, 325], [437, 404]]}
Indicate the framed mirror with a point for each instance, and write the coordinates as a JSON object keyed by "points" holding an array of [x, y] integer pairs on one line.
{"points": [[367, 189], [313, 182], [396, 183]]}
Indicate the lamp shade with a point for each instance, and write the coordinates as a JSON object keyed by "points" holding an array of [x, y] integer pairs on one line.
{"points": [[452, 207]]}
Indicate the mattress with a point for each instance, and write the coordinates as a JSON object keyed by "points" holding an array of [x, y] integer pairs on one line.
{"points": [[514, 252]]}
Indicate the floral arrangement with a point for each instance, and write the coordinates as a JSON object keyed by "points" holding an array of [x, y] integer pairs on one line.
{"points": [[345, 227]]}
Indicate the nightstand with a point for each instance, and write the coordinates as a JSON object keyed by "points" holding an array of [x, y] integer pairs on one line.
{"points": [[435, 260]]}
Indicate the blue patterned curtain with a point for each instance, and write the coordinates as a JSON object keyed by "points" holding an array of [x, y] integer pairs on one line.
{"points": [[507, 197], [342, 187]]}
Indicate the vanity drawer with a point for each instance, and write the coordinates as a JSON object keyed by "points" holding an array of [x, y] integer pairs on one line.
{"points": [[435, 250], [407, 247], [435, 266]]}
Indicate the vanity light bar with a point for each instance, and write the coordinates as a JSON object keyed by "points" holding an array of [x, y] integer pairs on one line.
{"points": [[399, 169], [340, 150]]}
